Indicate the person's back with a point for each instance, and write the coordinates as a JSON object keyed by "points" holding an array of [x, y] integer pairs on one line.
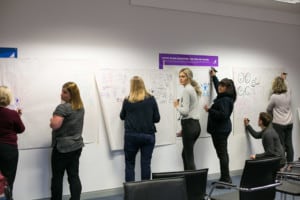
{"points": [[140, 113]]}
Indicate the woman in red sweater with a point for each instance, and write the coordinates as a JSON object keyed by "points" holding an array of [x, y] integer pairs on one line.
{"points": [[10, 125]]}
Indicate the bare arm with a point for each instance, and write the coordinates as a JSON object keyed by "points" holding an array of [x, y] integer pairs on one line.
{"points": [[56, 122]]}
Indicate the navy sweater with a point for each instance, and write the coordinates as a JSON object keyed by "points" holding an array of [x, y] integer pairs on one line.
{"points": [[140, 116]]}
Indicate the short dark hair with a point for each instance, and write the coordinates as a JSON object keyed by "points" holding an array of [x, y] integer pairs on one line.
{"points": [[266, 118]]}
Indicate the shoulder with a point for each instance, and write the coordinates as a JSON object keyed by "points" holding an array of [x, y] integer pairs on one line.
{"points": [[150, 98], [63, 109], [64, 106], [11, 112], [188, 89]]}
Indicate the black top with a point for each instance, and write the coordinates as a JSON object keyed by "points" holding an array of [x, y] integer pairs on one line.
{"points": [[219, 122], [140, 116]]}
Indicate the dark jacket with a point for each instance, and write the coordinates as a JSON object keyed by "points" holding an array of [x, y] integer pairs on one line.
{"points": [[219, 113], [140, 116]]}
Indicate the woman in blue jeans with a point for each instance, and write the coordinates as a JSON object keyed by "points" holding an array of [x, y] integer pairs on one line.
{"points": [[140, 113]]}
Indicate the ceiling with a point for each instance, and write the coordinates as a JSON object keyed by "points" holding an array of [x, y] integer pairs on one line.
{"points": [[263, 10], [266, 4]]}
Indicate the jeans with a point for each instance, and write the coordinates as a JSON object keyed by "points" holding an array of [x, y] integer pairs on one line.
{"points": [[9, 156], [190, 132], [60, 163], [133, 143], [220, 144], [285, 135]]}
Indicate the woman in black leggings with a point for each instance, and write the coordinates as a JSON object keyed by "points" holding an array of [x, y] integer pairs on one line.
{"points": [[188, 107]]}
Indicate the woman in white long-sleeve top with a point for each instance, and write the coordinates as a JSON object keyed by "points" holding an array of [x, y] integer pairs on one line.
{"points": [[189, 109]]}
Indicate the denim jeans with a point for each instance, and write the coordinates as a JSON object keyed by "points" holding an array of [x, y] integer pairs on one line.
{"points": [[60, 163], [133, 143]]}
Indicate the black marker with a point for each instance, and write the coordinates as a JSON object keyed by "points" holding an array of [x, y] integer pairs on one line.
{"points": [[214, 69]]}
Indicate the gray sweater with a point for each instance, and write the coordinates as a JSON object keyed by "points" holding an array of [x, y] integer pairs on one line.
{"points": [[270, 141], [189, 107]]}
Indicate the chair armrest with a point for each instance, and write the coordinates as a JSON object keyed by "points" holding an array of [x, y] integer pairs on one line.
{"points": [[290, 175], [261, 187]]}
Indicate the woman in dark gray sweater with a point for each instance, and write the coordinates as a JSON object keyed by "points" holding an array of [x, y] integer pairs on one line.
{"points": [[270, 138]]}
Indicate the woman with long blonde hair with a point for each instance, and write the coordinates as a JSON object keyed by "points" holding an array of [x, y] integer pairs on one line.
{"points": [[189, 108], [140, 113]]}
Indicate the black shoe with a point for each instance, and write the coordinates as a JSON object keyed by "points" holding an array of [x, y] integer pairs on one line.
{"points": [[224, 186], [227, 180]]}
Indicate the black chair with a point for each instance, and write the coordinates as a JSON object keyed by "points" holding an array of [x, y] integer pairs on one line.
{"points": [[195, 181], [258, 182], [159, 189], [290, 182]]}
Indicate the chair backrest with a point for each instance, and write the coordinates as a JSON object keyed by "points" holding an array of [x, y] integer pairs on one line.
{"points": [[257, 173], [195, 181], [159, 189]]}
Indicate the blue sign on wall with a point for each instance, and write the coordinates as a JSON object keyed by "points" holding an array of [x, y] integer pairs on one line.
{"points": [[8, 52]]}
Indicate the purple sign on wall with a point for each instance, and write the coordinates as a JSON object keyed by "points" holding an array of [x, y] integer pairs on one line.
{"points": [[187, 60]]}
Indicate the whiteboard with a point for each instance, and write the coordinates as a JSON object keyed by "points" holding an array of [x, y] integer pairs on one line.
{"points": [[113, 87], [254, 87], [37, 84]]}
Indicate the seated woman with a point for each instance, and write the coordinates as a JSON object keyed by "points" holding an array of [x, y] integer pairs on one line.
{"points": [[270, 138]]}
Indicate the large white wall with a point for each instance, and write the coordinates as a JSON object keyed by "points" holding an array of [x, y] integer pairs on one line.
{"points": [[113, 33]]}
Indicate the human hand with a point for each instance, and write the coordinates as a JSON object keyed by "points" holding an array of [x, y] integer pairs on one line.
{"points": [[206, 108], [283, 75], [212, 72], [176, 103], [246, 121], [19, 111], [252, 157]]}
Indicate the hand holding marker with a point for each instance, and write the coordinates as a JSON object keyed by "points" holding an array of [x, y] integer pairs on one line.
{"points": [[17, 106]]}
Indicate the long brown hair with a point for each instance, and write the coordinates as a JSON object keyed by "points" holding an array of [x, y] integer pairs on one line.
{"points": [[75, 101], [138, 90]]}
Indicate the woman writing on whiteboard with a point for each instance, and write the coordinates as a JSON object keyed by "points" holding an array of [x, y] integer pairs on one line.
{"points": [[219, 123], [140, 113], [10, 125], [67, 142], [280, 108], [189, 109]]}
